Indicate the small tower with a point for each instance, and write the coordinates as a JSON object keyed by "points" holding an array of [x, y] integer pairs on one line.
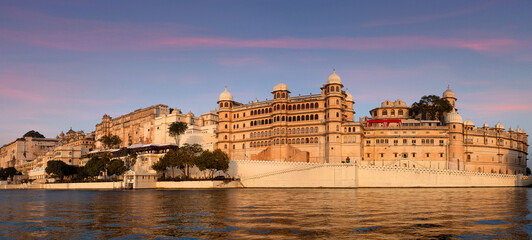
{"points": [[333, 118], [450, 96], [349, 103], [281, 92], [456, 141], [225, 101]]}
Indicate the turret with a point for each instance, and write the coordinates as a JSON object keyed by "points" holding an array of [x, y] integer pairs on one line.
{"points": [[333, 115], [450, 96], [456, 141], [225, 101], [280, 92]]}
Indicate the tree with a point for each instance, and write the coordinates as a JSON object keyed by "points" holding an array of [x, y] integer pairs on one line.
{"points": [[430, 107], [9, 172], [56, 168], [177, 128], [95, 166], [33, 134], [130, 157], [162, 164], [196, 150], [116, 167], [109, 141], [186, 159], [213, 162]]}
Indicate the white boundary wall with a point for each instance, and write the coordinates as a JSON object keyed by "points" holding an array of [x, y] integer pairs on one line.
{"points": [[290, 174]]}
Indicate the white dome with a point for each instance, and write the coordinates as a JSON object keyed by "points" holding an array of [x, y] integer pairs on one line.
{"points": [[333, 78], [499, 126], [511, 129], [225, 96], [468, 123], [280, 87], [349, 97], [453, 117], [486, 125], [448, 93]]}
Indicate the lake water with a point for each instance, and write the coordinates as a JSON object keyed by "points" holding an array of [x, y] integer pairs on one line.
{"points": [[411, 213]]}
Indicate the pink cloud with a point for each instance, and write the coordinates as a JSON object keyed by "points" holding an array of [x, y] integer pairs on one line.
{"points": [[430, 17], [89, 35]]}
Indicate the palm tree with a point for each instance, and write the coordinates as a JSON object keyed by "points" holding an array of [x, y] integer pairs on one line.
{"points": [[177, 128]]}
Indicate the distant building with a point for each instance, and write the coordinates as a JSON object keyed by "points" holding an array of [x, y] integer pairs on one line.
{"points": [[150, 126], [24, 150], [320, 128]]}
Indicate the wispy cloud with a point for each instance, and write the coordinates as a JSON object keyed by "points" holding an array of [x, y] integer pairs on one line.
{"points": [[430, 17], [88, 35]]}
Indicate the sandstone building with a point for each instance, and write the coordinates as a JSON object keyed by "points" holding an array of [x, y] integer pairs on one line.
{"points": [[320, 128], [150, 126]]}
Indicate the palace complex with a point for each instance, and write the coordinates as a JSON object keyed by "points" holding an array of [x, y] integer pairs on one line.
{"points": [[320, 128], [315, 128]]}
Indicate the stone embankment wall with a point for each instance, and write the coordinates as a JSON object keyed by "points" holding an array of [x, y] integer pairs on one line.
{"points": [[290, 174]]}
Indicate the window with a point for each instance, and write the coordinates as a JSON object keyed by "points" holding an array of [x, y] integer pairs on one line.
{"points": [[400, 112], [404, 141], [384, 112], [413, 141]]}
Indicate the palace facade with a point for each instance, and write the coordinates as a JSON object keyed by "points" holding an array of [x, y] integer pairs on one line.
{"points": [[320, 128], [150, 126]]}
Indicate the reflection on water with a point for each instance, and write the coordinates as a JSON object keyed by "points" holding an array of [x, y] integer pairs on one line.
{"points": [[412, 213]]}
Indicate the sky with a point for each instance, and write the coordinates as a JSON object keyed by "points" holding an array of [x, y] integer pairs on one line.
{"points": [[67, 63]]}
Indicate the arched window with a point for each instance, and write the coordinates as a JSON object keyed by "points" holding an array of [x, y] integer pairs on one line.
{"points": [[307, 117], [337, 115], [282, 108], [337, 89], [298, 107], [270, 110], [283, 95], [316, 129], [311, 117], [384, 112], [307, 140], [306, 130], [297, 141], [278, 95], [311, 130], [302, 106], [316, 117], [400, 112], [262, 111], [225, 146], [298, 118], [392, 112], [337, 102], [262, 122], [337, 128], [282, 118], [289, 107], [221, 104], [315, 105]]}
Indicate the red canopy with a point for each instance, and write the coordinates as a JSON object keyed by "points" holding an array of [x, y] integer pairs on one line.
{"points": [[386, 122]]}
